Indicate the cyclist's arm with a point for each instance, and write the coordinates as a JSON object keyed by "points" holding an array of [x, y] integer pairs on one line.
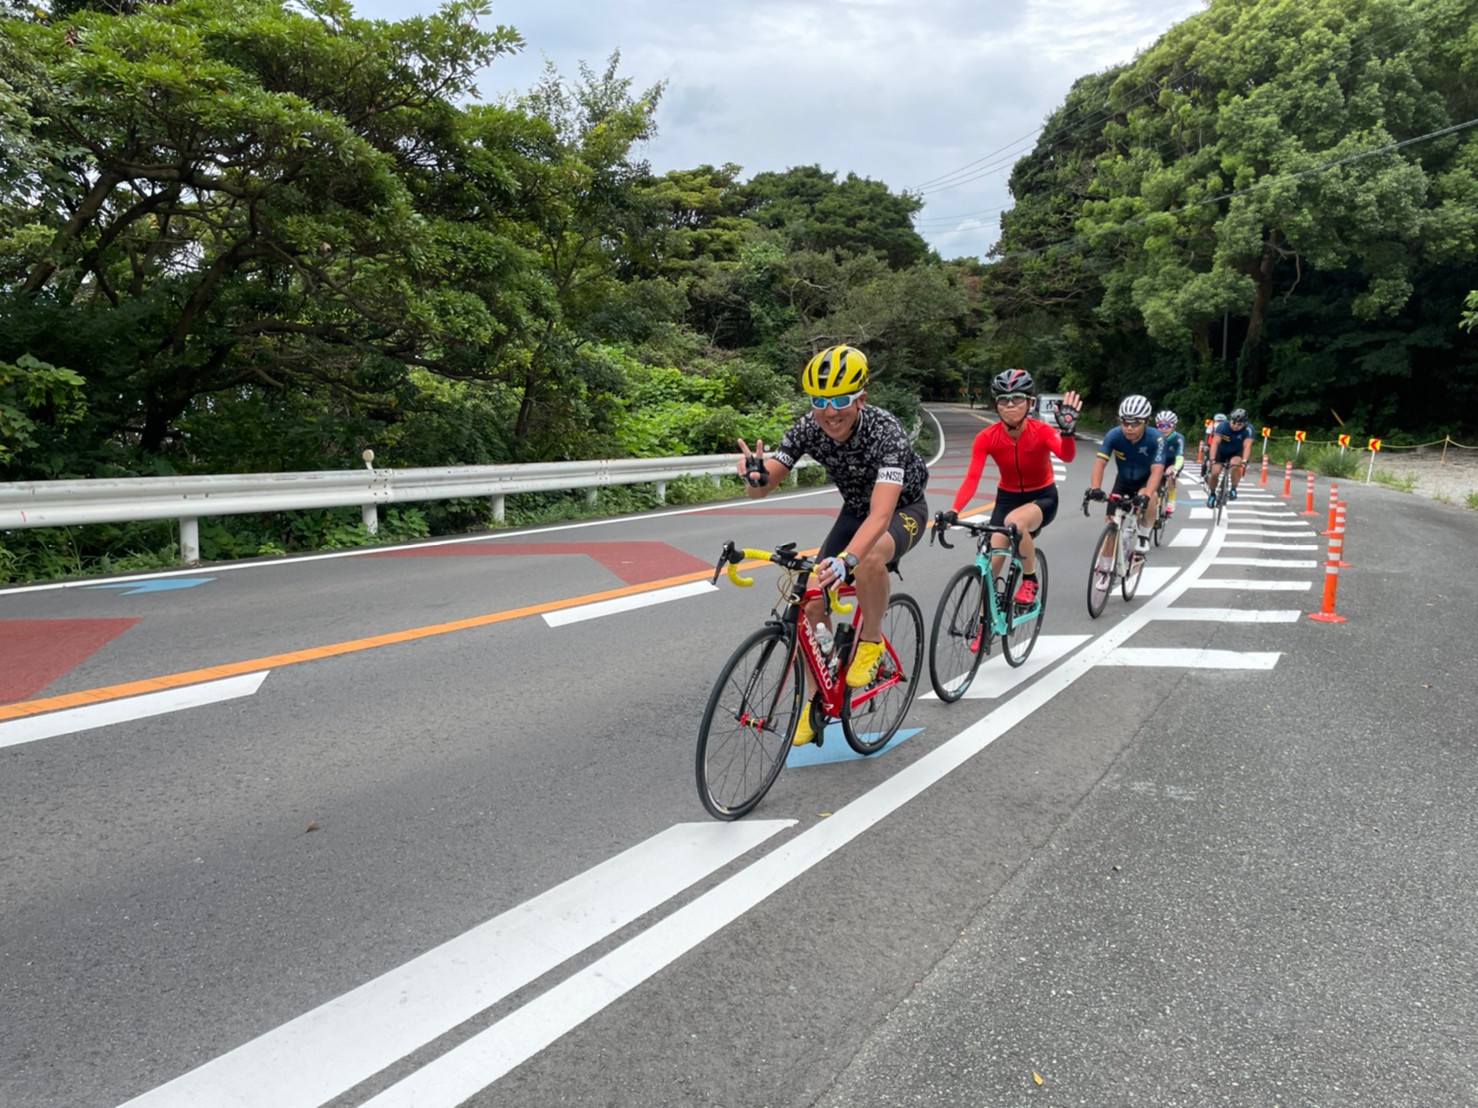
{"points": [[1064, 446], [1152, 483], [880, 511], [1099, 464], [1247, 450], [972, 475]]}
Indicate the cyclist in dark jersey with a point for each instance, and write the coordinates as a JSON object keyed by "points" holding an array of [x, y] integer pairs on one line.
{"points": [[1021, 447], [1231, 442], [867, 453], [1139, 454]]}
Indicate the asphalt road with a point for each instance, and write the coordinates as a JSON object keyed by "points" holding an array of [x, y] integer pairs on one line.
{"points": [[405, 835]]}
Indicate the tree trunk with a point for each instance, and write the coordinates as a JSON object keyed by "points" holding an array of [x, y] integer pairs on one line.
{"points": [[1254, 355]]}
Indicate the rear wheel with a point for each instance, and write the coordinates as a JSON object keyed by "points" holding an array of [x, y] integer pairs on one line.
{"points": [[1024, 623], [960, 638], [1100, 581], [745, 734], [871, 715]]}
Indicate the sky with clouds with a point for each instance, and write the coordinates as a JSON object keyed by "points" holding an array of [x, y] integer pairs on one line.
{"points": [[937, 96]]}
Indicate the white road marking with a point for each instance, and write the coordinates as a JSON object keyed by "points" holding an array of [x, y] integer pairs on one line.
{"points": [[1152, 579], [321, 1054], [69, 721], [1268, 523], [627, 603], [995, 678], [1191, 536], [1231, 615], [488, 1055], [1274, 546], [1252, 586], [1173, 658], [1281, 563]]}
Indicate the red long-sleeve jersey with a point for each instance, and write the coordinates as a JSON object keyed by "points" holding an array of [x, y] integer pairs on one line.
{"points": [[1024, 462]]}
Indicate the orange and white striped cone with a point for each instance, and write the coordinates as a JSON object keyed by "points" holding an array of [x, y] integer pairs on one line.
{"points": [[1337, 540], [1326, 613], [1333, 503], [1309, 497], [1262, 478], [1287, 478]]}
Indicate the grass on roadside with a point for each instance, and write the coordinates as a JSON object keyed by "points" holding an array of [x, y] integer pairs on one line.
{"points": [[1401, 483]]}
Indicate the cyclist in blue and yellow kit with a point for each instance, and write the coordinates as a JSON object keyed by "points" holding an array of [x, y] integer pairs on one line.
{"points": [[1231, 443], [1174, 454], [1139, 454]]}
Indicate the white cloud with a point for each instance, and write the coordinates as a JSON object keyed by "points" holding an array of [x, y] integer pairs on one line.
{"points": [[901, 91]]}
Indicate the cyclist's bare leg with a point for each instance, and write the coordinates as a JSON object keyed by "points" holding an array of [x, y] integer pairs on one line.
{"points": [[871, 577], [1028, 517], [1238, 467]]}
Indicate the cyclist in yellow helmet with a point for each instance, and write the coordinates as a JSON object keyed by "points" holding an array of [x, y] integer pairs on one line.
{"points": [[867, 453]]}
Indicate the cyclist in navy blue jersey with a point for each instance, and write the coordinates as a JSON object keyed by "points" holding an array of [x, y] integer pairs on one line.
{"points": [[1231, 444], [1139, 455]]}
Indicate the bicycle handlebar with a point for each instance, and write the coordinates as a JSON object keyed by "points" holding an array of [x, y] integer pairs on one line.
{"points": [[975, 529], [1115, 499], [784, 556]]}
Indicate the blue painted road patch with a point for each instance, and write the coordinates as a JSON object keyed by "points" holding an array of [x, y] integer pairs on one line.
{"points": [[837, 750], [164, 584]]}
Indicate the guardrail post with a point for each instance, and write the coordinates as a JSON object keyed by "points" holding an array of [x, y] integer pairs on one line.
{"points": [[590, 496], [661, 492], [498, 500], [190, 540], [371, 517]]}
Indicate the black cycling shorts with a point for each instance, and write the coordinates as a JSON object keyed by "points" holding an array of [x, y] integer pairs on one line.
{"points": [[906, 527], [1130, 486], [1007, 502]]}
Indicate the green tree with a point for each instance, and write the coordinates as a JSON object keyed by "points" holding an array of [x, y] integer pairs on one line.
{"points": [[224, 210]]}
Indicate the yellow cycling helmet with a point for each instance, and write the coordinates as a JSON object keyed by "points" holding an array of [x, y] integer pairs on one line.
{"points": [[836, 371]]}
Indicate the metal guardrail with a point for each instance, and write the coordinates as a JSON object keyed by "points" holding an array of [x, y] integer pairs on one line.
{"points": [[132, 499]]}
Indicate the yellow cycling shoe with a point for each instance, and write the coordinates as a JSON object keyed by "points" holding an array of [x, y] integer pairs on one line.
{"points": [[804, 732], [864, 665]]}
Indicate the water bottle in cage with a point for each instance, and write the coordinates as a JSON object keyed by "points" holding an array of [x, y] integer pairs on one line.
{"points": [[825, 642]]}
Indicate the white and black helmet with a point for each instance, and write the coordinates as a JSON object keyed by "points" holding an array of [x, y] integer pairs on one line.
{"points": [[1135, 407]]}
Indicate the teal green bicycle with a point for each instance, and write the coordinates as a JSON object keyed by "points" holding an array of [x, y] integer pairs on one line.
{"points": [[970, 616]]}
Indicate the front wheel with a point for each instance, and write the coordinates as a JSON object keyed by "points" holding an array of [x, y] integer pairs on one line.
{"points": [[872, 714], [1100, 579], [1024, 623], [960, 637], [745, 734], [1129, 583]]}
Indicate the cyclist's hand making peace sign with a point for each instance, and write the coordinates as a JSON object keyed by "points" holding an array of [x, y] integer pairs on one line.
{"points": [[751, 464]]}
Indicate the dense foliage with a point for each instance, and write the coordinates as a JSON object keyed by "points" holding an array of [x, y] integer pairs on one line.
{"points": [[244, 235]]}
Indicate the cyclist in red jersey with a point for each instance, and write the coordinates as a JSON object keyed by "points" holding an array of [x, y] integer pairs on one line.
{"points": [[1021, 448]]}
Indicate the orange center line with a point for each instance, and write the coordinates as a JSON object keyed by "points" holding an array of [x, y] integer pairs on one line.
{"points": [[331, 650]]}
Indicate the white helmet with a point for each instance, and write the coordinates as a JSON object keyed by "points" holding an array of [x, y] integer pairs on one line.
{"points": [[1135, 407]]}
